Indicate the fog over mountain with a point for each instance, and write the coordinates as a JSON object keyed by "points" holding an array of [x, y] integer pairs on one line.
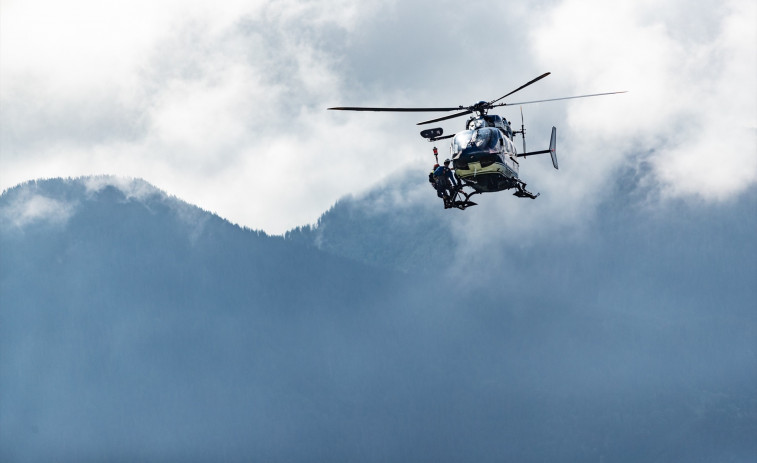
{"points": [[136, 327]]}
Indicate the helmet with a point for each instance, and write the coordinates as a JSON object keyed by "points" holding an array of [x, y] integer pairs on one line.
{"points": [[436, 165], [447, 161]]}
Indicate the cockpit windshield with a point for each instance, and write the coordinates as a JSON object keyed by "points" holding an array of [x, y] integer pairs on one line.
{"points": [[484, 139]]}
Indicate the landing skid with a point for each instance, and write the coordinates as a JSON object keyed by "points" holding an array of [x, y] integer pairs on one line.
{"points": [[521, 192], [458, 198]]}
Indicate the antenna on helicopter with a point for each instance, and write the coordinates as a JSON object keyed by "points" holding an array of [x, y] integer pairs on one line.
{"points": [[522, 130]]}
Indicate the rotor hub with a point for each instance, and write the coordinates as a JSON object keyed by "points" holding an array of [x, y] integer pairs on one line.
{"points": [[481, 107]]}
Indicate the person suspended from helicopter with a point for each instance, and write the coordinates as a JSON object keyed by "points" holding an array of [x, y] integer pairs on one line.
{"points": [[444, 175], [446, 184], [432, 181]]}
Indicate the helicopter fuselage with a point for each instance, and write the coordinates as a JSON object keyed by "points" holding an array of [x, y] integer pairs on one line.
{"points": [[484, 156]]}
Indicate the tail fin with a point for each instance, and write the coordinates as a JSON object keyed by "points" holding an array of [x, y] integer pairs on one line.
{"points": [[553, 146]]}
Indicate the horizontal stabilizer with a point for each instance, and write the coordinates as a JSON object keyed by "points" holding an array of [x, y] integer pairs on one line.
{"points": [[552, 149]]}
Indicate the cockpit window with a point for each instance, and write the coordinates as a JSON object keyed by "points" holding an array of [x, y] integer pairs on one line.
{"points": [[460, 142], [484, 139]]}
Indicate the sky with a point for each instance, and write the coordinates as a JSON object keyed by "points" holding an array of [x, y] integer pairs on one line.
{"points": [[223, 104]]}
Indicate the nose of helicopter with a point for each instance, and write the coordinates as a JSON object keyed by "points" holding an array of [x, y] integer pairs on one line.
{"points": [[473, 154]]}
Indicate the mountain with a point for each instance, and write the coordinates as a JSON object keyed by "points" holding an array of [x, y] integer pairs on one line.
{"points": [[136, 327], [383, 228]]}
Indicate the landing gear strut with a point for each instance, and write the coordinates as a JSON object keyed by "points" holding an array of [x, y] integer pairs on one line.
{"points": [[458, 198]]}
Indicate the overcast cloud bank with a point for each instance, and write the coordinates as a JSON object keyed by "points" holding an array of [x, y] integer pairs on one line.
{"points": [[225, 105]]}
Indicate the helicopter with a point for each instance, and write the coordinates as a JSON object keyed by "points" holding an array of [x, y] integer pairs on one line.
{"points": [[483, 155]]}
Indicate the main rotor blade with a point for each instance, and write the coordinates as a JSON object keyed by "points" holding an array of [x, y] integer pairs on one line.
{"points": [[399, 110], [522, 87], [556, 99], [451, 116]]}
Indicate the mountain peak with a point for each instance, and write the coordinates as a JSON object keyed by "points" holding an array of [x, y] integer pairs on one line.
{"points": [[53, 202]]}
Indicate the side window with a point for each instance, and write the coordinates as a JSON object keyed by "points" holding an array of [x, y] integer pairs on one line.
{"points": [[497, 142]]}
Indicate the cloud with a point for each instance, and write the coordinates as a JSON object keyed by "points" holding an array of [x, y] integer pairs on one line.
{"points": [[28, 208], [692, 104], [224, 105], [132, 189], [224, 110]]}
